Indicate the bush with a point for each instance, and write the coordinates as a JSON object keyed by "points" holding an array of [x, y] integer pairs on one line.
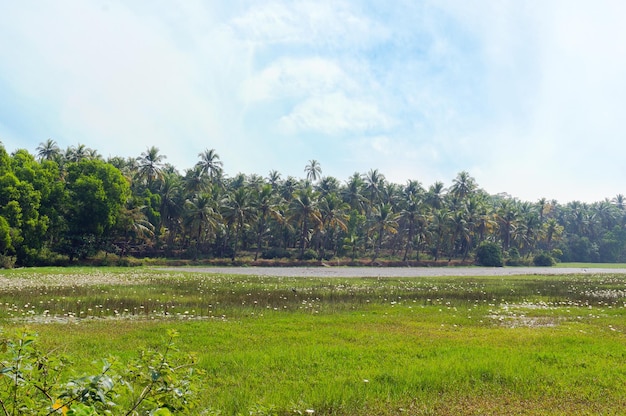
{"points": [[489, 254], [276, 253], [6, 262], [155, 383], [309, 254], [543, 260]]}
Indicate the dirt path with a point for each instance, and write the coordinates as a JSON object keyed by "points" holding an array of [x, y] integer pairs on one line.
{"points": [[395, 271]]}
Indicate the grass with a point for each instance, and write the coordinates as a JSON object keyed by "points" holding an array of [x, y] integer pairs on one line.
{"points": [[420, 346], [593, 265]]}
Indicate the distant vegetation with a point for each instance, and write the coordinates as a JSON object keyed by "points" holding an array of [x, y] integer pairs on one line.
{"points": [[61, 206]]}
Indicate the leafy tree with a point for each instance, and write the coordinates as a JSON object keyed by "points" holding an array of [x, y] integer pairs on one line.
{"points": [[96, 194], [5, 237]]}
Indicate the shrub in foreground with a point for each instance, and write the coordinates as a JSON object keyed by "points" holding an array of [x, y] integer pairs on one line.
{"points": [[31, 384]]}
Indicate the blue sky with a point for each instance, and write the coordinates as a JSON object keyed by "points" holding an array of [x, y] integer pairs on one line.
{"points": [[529, 96]]}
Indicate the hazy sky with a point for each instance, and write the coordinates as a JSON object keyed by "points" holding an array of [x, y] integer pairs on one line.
{"points": [[528, 96]]}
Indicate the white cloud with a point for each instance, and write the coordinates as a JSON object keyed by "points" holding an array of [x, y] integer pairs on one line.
{"points": [[320, 23], [334, 114], [288, 77], [527, 96]]}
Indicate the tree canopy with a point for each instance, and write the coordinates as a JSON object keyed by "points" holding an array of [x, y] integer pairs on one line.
{"points": [[73, 204]]}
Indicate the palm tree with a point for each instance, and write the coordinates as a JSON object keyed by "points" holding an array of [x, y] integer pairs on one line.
{"points": [[333, 216], [210, 164], [48, 150], [288, 188], [620, 201], [351, 193], [194, 182], [172, 205], [434, 196], [266, 206], [374, 184], [273, 178], [552, 231], [383, 220], [303, 209], [463, 185], [77, 153], [460, 234], [313, 170], [440, 222], [327, 185], [507, 216], [201, 217], [150, 165], [238, 211], [410, 215]]}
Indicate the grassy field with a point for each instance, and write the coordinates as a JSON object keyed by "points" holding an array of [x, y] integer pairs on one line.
{"points": [[594, 265], [528, 345]]}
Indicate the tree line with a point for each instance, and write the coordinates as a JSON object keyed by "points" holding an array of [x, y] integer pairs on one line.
{"points": [[73, 204]]}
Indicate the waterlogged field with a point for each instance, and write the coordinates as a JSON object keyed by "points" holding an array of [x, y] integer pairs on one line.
{"points": [[535, 344]]}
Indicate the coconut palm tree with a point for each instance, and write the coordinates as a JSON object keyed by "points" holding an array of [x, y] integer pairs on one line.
{"points": [[383, 221], [77, 153], [195, 182], [201, 217], [313, 170], [463, 185], [273, 178], [150, 165], [409, 217], [333, 218], [210, 164], [435, 195], [172, 206], [327, 185], [619, 201], [507, 216], [304, 211], [266, 206], [374, 186], [238, 211], [352, 193], [48, 150]]}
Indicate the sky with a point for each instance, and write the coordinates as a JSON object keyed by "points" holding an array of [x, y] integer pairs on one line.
{"points": [[529, 97]]}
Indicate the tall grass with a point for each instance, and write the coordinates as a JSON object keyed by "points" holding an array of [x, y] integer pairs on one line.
{"points": [[437, 345]]}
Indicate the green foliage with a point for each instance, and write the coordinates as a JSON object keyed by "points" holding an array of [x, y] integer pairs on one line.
{"points": [[543, 260], [31, 383], [5, 236], [75, 205], [276, 253], [489, 254], [309, 254]]}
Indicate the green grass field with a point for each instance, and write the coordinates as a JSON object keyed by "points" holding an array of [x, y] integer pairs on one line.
{"points": [[528, 345], [594, 265]]}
